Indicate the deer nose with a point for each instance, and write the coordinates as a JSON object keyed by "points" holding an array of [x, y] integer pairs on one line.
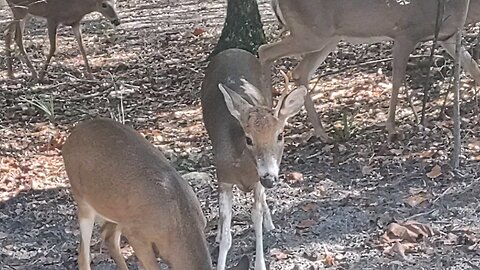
{"points": [[116, 22], [268, 180]]}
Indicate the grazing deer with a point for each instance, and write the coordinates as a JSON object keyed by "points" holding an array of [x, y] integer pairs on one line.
{"points": [[118, 175], [247, 138], [316, 27], [67, 12]]}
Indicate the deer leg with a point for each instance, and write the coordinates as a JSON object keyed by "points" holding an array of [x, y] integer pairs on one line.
{"points": [[111, 237], [268, 53], [225, 199], [401, 52], [8, 48], [86, 219], [52, 37], [143, 250], [470, 65], [78, 36], [267, 216], [19, 27], [302, 73], [257, 218]]}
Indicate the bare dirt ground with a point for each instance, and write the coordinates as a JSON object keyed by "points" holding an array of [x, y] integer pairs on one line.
{"points": [[335, 217]]}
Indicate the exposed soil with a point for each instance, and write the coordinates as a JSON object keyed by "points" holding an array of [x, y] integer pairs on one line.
{"points": [[334, 217]]}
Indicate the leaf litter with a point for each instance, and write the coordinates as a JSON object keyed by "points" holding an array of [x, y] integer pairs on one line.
{"points": [[349, 193]]}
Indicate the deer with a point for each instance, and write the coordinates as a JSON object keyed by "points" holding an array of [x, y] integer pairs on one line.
{"points": [[317, 26], [117, 175], [56, 12], [247, 136]]}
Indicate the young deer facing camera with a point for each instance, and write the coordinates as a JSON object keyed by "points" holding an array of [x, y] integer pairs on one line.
{"points": [[118, 175], [68, 12], [316, 27], [247, 138]]}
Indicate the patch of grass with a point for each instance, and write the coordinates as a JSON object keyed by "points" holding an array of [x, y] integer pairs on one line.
{"points": [[44, 104]]}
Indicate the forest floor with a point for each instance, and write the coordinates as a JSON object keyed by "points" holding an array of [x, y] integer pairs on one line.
{"points": [[361, 203]]}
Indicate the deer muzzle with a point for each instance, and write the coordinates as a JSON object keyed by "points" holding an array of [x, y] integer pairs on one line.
{"points": [[268, 180]]}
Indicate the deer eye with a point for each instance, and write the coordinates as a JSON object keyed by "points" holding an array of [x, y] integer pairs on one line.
{"points": [[249, 141], [280, 136], [104, 5]]}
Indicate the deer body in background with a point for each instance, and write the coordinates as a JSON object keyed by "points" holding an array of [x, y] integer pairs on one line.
{"points": [[67, 12], [247, 138], [316, 27], [118, 175]]}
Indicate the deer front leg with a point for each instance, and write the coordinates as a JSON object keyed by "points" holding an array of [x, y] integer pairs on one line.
{"points": [[267, 216], [224, 236], [401, 52], [302, 73], [8, 48], [78, 36], [268, 53], [257, 218]]}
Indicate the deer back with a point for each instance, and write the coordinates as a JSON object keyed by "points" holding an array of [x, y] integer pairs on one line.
{"points": [[128, 181], [368, 18]]}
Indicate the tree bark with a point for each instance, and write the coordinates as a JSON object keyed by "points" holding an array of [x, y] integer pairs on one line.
{"points": [[243, 27]]}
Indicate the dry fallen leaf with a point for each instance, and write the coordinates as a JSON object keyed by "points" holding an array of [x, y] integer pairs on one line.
{"points": [[410, 231], [307, 223], [398, 249], [278, 254], [322, 189], [426, 154], [418, 198], [309, 207], [329, 260], [435, 172], [294, 177], [198, 31]]}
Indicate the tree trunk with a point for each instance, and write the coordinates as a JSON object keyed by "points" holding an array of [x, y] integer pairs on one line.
{"points": [[243, 27]]}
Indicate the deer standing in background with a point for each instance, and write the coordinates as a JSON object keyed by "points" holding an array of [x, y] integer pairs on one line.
{"points": [[247, 138], [67, 12], [118, 175], [316, 27]]}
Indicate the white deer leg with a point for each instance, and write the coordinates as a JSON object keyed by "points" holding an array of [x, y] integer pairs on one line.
{"points": [[257, 217], [225, 198], [465, 58], [267, 216]]}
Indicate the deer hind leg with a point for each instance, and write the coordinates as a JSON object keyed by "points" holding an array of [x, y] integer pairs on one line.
{"points": [[303, 73], [401, 52], [111, 237], [86, 219], [257, 218], [19, 27], [52, 37], [225, 200], [466, 59], [10, 30], [143, 248], [78, 36]]}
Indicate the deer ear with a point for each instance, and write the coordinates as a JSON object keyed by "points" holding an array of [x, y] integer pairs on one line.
{"points": [[243, 264], [291, 104], [236, 104]]}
